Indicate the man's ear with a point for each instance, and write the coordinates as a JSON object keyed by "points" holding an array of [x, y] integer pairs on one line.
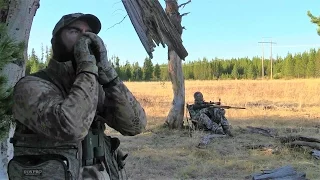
{"points": [[53, 40]]}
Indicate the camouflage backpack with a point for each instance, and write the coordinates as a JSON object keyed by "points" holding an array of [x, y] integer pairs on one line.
{"points": [[38, 158]]}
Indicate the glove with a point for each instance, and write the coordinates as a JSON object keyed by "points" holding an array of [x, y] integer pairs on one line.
{"points": [[107, 75], [86, 62]]}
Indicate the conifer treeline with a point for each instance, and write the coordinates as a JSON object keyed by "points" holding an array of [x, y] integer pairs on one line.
{"points": [[299, 65]]}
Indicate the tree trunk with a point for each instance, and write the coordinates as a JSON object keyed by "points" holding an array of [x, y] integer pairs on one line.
{"points": [[18, 17], [176, 113]]}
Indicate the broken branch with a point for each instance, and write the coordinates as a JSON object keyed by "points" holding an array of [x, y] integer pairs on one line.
{"points": [[118, 22], [184, 14], [184, 4]]}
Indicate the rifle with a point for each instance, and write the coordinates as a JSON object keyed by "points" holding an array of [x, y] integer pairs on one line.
{"points": [[218, 105], [226, 107]]}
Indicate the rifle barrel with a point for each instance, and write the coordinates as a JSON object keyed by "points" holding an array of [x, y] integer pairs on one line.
{"points": [[228, 107]]}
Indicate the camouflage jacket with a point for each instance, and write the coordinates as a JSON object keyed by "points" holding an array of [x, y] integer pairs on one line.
{"points": [[195, 111], [64, 111]]}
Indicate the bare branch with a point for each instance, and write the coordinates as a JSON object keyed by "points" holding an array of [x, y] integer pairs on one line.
{"points": [[117, 10], [118, 22], [116, 3], [184, 14], [184, 4]]}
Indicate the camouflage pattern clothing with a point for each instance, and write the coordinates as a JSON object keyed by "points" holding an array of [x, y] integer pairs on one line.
{"points": [[208, 118], [62, 112]]}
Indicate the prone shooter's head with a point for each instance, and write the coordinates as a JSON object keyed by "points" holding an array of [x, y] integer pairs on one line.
{"points": [[198, 97]]}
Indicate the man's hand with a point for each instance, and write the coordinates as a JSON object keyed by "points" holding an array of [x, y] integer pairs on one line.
{"points": [[86, 62], [106, 73]]}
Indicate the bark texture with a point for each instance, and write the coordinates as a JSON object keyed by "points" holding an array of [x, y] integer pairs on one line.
{"points": [[153, 26], [176, 113]]}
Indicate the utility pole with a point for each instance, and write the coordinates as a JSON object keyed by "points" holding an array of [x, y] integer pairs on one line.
{"points": [[262, 67], [271, 61]]}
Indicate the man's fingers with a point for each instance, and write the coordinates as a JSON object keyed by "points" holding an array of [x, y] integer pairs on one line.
{"points": [[96, 40], [83, 43]]}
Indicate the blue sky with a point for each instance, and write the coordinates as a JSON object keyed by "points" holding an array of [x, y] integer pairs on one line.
{"points": [[215, 28]]}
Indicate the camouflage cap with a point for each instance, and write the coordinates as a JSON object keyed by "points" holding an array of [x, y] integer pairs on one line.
{"points": [[93, 22]]}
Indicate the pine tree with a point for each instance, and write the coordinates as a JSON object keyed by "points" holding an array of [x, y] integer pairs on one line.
{"points": [[311, 69], [33, 64], [317, 64], [147, 69], [305, 60], [289, 66], [310, 72], [9, 50], [116, 60], [48, 56], [157, 72], [139, 73], [250, 71], [234, 72], [127, 68], [42, 54], [299, 68], [315, 20]]}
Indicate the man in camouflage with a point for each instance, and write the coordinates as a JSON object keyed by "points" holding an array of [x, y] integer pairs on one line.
{"points": [[209, 118], [84, 87]]}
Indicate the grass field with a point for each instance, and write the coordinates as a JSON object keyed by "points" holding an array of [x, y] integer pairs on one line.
{"points": [[290, 106]]}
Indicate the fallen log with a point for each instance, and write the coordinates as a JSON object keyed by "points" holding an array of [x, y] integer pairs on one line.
{"points": [[285, 172], [286, 139], [264, 131], [304, 143]]}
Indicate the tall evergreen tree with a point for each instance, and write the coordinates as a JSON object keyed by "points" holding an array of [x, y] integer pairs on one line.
{"points": [[33, 64], [234, 72], [48, 55], [289, 66], [42, 54], [299, 68], [310, 71], [157, 72], [317, 64], [147, 69], [250, 71], [128, 72]]}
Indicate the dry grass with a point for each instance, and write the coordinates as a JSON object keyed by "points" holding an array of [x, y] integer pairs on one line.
{"points": [[291, 106]]}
